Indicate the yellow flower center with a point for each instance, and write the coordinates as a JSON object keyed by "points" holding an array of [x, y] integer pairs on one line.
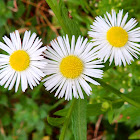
{"points": [[19, 60], [71, 66], [117, 36]]}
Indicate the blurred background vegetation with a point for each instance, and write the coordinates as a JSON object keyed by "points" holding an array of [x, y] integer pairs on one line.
{"points": [[23, 116]]}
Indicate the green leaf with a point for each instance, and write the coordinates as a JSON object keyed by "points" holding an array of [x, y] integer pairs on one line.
{"points": [[135, 135], [3, 21], [8, 138], [94, 109], [128, 114], [2, 32], [57, 104], [43, 111], [76, 2], [110, 116], [62, 112], [40, 126], [68, 118], [48, 129], [68, 25], [55, 121], [6, 119], [117, 104], [21, 12], [37, 136], [2, 8], [8, 14], [101, 108], [4, 100], [134, 95], [126, 97], [79, 120]]}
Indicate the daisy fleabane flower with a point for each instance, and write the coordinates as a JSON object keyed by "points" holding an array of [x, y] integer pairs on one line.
{"points": [[23, 62], [70, 67], [114, 38]]}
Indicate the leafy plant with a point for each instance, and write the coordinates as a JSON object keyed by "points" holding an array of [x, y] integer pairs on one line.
{"points": [[113, 106]]}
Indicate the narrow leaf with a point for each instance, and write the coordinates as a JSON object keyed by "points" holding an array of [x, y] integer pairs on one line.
{"points": [[55, 121], [67, 120], [79, 120], [68, 25], [94, 109], [62, 112]]}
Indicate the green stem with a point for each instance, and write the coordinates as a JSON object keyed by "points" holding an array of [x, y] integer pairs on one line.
{"points": [[118, 93], [66, 123]]}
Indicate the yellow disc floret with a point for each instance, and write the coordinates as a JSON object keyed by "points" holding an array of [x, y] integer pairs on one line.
{"points": [[19, 60], [117, 36], [71, 67]]}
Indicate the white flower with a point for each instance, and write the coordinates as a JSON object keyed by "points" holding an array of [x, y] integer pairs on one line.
{"points": [[70, 66], [115, 39], [23, 61]]}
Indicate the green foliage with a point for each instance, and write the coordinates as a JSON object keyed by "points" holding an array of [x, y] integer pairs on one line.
{"points": [[94, 109], [25, 116], [62, 112], [5, 14], [134, 95], [135, 135], [68, 25], [4, 9], [56, 121]]}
